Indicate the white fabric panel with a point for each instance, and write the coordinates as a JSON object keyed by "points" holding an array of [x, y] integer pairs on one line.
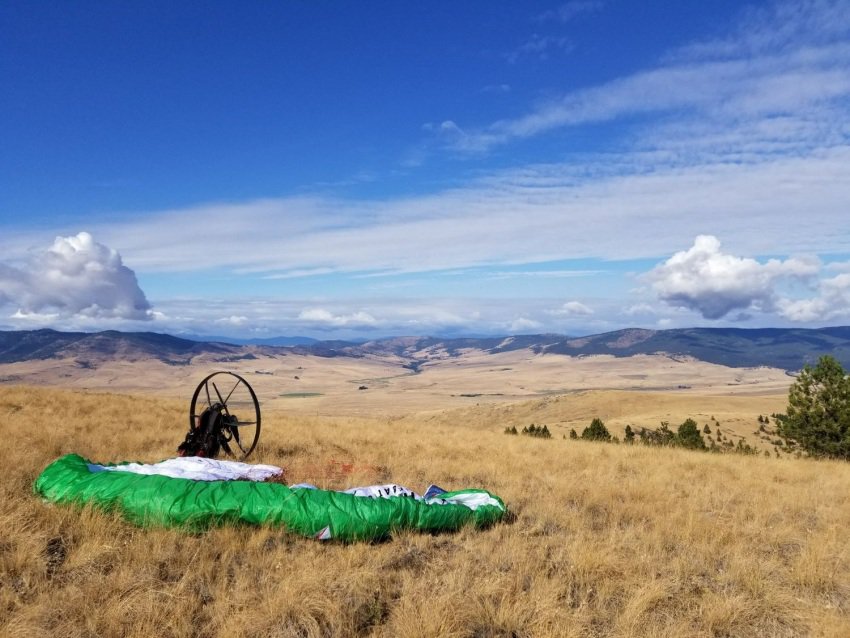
{"points": [[196, 468]]}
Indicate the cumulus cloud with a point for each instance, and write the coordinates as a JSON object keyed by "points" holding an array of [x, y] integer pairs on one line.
{"points": [[832, 302], [75, 277], [572, 309], [714, 284], [838, 266]]}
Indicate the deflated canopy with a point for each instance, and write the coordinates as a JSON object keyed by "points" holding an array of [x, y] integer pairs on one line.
{"points": [[198, 493]]}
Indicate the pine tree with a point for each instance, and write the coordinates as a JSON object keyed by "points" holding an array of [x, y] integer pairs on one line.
{"points": [[596, 431], [818, 415], [688, 435]]}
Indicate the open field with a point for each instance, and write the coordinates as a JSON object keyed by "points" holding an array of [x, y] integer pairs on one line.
{"points": [[606, 540], [514, 388], [331, 386]]}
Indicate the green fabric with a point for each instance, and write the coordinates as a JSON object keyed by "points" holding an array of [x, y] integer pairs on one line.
{"points": [[161, 501]]}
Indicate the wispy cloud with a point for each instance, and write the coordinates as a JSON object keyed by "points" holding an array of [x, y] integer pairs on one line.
{"points": [[791, 60], [539, 47], [542, 274], [294, 274], [775, 26], [497, 88], [570, 10], [606, 209]]}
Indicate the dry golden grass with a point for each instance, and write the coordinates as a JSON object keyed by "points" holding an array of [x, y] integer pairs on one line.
{"points": [[735, 416], [606, 541]]}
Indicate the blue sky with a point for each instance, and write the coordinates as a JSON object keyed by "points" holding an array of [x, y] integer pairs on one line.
{"points": [[366, 169]]}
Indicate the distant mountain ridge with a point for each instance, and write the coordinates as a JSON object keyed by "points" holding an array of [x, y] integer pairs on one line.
{"points": [[785, 348], [27, 345], [269, 341]]}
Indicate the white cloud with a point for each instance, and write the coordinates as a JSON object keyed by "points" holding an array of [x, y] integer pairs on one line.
{"points": [[713, 283], [320, 317], [523, 324], [543, 274], [571, 309], [838, 266], [37, 318], [295, 274], [75, 277], [641, 308], [831, 303], [233, 320]]}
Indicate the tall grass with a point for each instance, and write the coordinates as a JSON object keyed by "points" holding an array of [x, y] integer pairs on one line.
{"points": [[606, 540]]}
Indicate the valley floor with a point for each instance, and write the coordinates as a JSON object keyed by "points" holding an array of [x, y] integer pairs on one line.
{"points": [[386, 385]]}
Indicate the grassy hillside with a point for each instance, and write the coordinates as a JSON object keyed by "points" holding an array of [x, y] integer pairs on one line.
{"points": [[733, 417], [606, 540]]}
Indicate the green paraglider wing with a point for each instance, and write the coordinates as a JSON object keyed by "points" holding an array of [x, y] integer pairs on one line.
{"points": [[162, 501]]}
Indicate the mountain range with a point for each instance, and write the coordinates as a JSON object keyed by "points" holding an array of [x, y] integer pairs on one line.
{"points": [[785, 348]]}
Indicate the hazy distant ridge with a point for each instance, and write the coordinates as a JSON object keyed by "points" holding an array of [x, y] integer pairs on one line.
{"points": [[786, 348], [26, 345]]}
